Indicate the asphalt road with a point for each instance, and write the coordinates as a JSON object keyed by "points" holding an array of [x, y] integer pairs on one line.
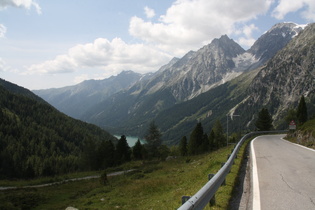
{"points": [[283, 174]]}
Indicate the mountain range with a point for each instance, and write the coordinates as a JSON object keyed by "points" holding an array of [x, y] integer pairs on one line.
{"points": [[219, 79]]}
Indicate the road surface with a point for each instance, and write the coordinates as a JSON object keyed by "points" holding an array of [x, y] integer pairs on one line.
{"points": [[283, 174]]}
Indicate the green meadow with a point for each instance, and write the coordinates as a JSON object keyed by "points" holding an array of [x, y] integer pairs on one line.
{"points": [[152, 185]]}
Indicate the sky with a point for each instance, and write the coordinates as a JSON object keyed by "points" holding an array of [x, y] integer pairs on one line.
{"points": [[57, 43]]}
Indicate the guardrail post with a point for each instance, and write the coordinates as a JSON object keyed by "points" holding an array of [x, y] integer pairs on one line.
{"points": [[212, 200], [185, 198]]}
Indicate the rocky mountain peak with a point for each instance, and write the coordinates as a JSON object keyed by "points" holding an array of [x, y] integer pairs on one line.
{"points": [[198, 71], [287, 76], [273, 40]]}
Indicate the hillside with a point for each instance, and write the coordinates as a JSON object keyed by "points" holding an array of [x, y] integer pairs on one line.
{"points": [[37, 140], [278, 86], [281, 83], [77, 99]]}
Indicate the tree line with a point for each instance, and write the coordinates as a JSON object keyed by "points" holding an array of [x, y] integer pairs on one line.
{"points": [[37, 140], [200, 142]]}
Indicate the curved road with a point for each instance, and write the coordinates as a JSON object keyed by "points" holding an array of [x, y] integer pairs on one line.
{"points": [[283, 174]]}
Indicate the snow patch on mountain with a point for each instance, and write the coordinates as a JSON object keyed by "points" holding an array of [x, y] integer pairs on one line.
{"points": [[243, 61]]}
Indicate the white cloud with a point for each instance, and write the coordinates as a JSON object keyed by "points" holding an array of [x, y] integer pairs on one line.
{"points": [[3, 30], [189, 24], [247, 40], [284, 7], [27, 4], [2, 65], [149, 12], [81, 78], [113, 56]]}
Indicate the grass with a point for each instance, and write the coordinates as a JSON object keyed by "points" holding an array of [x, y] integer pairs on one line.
{"points": [[44, 180], [154, 185]]}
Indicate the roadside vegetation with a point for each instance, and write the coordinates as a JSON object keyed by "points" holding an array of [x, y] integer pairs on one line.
{"points": [[153, 185], [305, 132], [304, 135]]}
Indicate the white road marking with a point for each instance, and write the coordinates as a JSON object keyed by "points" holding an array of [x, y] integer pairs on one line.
{"points": [[256, 193], [299, 145]]}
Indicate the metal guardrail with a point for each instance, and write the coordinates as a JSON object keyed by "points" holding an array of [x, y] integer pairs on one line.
{"points": [[204, 195]]}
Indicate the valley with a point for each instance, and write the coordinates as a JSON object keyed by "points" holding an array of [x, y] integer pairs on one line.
{"points": [[178, 104], [220, 78]]}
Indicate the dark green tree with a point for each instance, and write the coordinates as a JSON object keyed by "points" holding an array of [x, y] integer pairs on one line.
{"points": [[153, 138], [205, 147], [106, 155], [89, 155], [302, 111], [211, 138], [183, 146], [219, 137], [123, 152], [264, 120], [195, 140], [137, 150], [109, 154]]}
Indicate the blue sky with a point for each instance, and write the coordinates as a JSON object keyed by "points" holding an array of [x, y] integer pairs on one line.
{"points": [[57, 43]]}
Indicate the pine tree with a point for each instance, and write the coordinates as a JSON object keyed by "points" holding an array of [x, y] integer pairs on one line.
{"points": [[123, 150], [264, 121], [219, 137], [212, 144], [153, 139], [106, 155], [137, 151], [183, 146], [205, 147], [195, 141], [302, 111]]}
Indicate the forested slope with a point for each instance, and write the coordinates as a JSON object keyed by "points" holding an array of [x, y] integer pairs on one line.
{"points": [[37, 140]]}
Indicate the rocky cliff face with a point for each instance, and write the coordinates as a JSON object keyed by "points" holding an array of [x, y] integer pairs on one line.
{"points": [[286, 77], [274, 39], [198, 71]]}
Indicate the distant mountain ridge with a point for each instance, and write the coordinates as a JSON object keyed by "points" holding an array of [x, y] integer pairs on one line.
{"points": [[77, 99], [215, 67]]}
